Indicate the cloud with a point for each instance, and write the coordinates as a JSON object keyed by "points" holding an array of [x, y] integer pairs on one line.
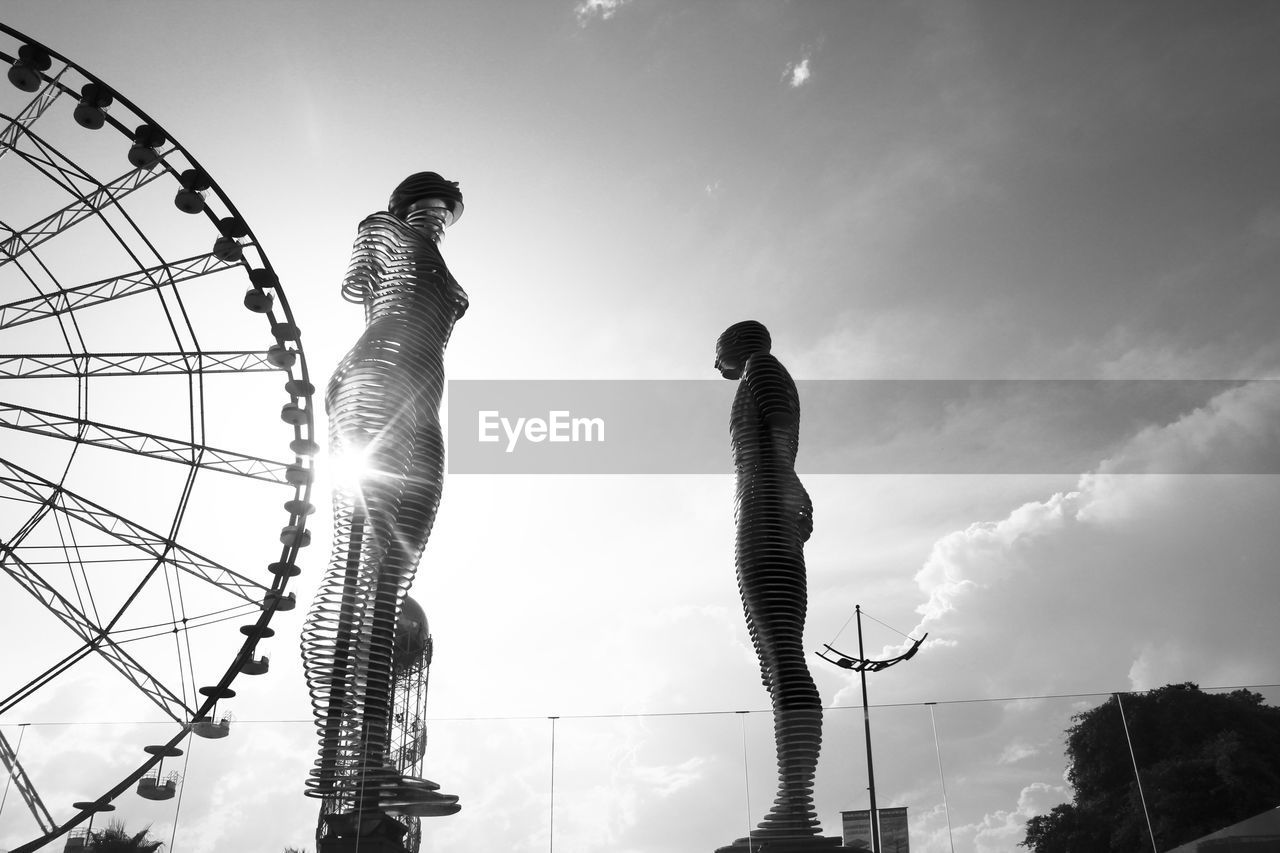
{"points": [[1153, 660], [1002, 830], [998, 830], [1109, 585], [1238, 427], [797, 73], [669, 779], [1118, 579], [589, 10], [1017, 751]]}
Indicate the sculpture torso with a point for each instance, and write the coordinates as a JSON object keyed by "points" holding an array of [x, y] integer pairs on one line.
{"points": [[411, 303], [764, 429]]}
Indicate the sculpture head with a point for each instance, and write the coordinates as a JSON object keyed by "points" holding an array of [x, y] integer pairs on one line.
{"points": [[423, 190], [738, 343]]}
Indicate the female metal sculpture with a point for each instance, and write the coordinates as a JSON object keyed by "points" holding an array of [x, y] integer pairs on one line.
{"points": [[383, 403], [774, 518]]}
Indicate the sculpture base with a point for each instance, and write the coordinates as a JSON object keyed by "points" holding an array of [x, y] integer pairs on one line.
{"points": [[360, 845], [419, 798], [362, 832], [809, 844]]}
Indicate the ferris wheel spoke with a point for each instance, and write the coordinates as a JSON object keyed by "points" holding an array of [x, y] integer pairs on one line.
{"points": [[31, 113], [82, 365], [19, 243], [93, 635], [49, 674], [111, 437], [21, 781], [159, 548], [82, 296]]}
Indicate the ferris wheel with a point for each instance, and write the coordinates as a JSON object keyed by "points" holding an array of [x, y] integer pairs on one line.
{"points": [[156, 432]]}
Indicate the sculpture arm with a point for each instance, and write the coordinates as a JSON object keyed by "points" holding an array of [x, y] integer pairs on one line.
{"points": [[364, 268]]}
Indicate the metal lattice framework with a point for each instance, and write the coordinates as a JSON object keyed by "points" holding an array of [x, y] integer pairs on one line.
{"points": [[411, 669], [9, 758], [115, 428], [383, 403], [774, 518]]}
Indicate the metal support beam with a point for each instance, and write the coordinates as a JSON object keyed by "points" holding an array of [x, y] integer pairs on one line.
{"points": [[96, 434], [30, 114], [9, 756], [20, 242], [80, 365], [82, 296], [93, 635], [161, 549]]}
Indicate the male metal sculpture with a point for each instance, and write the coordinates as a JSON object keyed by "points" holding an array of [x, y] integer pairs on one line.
{"points": [[774, 518], [383, 403]]}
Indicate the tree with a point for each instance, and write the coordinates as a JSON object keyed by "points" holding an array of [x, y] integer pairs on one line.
{"points": [[114, 839], [1207, 760]]}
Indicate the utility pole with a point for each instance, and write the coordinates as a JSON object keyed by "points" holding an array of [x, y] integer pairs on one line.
{"points": [[866, 724]]}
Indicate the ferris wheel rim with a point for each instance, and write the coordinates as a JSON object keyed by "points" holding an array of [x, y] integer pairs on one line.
{"points": [[298, 474]]}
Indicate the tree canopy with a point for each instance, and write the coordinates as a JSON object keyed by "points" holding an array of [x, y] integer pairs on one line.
{"points": [[114, 839], [1207, 760]]}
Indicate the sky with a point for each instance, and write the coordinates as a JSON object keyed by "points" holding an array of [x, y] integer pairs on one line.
{"points": [[899, 191]]}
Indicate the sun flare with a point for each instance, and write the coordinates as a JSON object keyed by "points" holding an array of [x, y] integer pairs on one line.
{"points": [[350, 468]]}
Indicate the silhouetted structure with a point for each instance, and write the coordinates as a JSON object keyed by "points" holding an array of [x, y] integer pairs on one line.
{"points": [[862, 665], [410, 668], [894, 837], [774, 518], [1258, 834], [383, 403]]}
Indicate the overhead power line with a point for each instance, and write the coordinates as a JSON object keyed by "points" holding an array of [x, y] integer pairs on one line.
{"points": [[478, 718]]}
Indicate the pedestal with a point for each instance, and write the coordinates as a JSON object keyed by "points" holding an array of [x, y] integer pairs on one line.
{"points": [[363, 832], [360, 845], [811, 844]]}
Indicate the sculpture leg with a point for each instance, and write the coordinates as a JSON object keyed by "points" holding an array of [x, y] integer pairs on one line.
{"points": [[329, 648], [772, 583], [348, 638], [416, 499]]}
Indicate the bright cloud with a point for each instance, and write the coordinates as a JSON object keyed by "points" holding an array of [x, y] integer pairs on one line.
{"points": [[1002, 830], [589, 10], [1121, 581], [1121, 571], [1017, 751], [797, 73]]}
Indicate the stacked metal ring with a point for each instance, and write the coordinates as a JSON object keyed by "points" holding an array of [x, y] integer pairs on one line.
{"points": [[383, 403], [774, 519]]}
